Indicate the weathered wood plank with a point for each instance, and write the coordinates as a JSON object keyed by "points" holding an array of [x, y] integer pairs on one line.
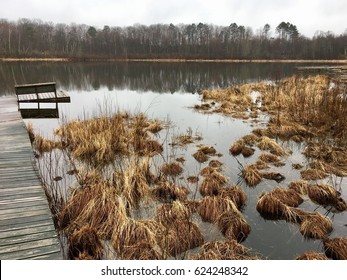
{"points": [[31, 253], [26, 224]]}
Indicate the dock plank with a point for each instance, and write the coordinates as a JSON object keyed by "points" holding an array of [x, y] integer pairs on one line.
{"points": [[26, 225]]}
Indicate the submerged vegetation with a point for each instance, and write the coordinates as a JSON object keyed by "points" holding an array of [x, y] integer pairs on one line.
{"points": [[128, 192]]}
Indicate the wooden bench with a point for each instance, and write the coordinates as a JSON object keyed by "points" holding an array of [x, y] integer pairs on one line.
{"points": [[40, 93]]}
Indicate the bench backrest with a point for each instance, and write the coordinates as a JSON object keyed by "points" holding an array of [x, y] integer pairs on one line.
{"points": [[35, 88]]}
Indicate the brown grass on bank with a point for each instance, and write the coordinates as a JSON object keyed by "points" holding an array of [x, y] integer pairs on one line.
{"points": [[223, 250], [84, 244], [172, 169], [251, 175], [316, 226], [310, 255], [336, 248]]}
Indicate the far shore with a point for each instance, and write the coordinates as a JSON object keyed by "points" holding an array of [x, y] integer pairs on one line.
{"points": [[171, 60]]}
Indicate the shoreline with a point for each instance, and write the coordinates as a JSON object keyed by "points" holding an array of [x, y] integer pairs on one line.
{"points": [[171, 60]]}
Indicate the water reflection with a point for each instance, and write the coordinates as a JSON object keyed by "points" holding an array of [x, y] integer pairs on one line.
{"points": [[140, 76]]}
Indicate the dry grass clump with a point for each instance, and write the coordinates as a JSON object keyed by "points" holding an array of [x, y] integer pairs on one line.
{"points": [[212, 184], [326, 195], [223, 250], [207, 150], [215, 163], [310, 255], [134, 182], [297, 166], [172, 169], [200, 156], [42, 145], [247, 151], [180, 237], [270, 207], [278, 177], [170, 213], [236, 194], [168, 192], [98, 206], [151, 148], [211, 207], [135, 240], [266, 143], [31, 132], [313, 174], [269, 158], [233, 225], [237, 147], [179, 234], [193, 179], [251, 175], [84, 244], [336, 248], [208, 170], [316, 226], [301, 187], [250, 139], [287, 196]]}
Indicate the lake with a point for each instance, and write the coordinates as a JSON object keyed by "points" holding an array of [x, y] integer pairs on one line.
{"points": [[168, 91]]}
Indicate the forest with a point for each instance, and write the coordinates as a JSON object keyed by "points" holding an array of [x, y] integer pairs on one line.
{"points": [[35, 38]]}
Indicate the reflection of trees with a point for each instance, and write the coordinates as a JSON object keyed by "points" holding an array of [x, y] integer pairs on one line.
{"points": [[158, 77]]}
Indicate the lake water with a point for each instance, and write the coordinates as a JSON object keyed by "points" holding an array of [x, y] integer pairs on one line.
{"points": [[169, 91]]}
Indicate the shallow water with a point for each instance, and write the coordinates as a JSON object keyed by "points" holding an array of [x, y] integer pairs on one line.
{"points": [[169, 91]]}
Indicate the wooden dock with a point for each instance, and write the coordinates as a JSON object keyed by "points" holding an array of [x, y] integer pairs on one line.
{"points": [[26, 226]]}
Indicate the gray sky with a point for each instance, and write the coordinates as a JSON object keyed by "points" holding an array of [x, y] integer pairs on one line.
{"points": [[309, 16]]}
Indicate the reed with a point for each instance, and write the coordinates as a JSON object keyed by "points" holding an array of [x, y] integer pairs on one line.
{"points": [[313, 174], [266, 143], [170, 213], [237, 147]]}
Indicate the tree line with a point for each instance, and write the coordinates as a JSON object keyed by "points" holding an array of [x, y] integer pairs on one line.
{"points": [[34, 38]]}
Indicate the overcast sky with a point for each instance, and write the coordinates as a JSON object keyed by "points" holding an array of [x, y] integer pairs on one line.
{"points": [[309, 16]]}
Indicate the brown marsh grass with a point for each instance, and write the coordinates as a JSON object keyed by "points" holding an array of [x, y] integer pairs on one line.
{"points": [[251, 175], [168, 192], [84, 244], [310, 255], [223, 250], [236, 194], [336, 248], [316, 226]]}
